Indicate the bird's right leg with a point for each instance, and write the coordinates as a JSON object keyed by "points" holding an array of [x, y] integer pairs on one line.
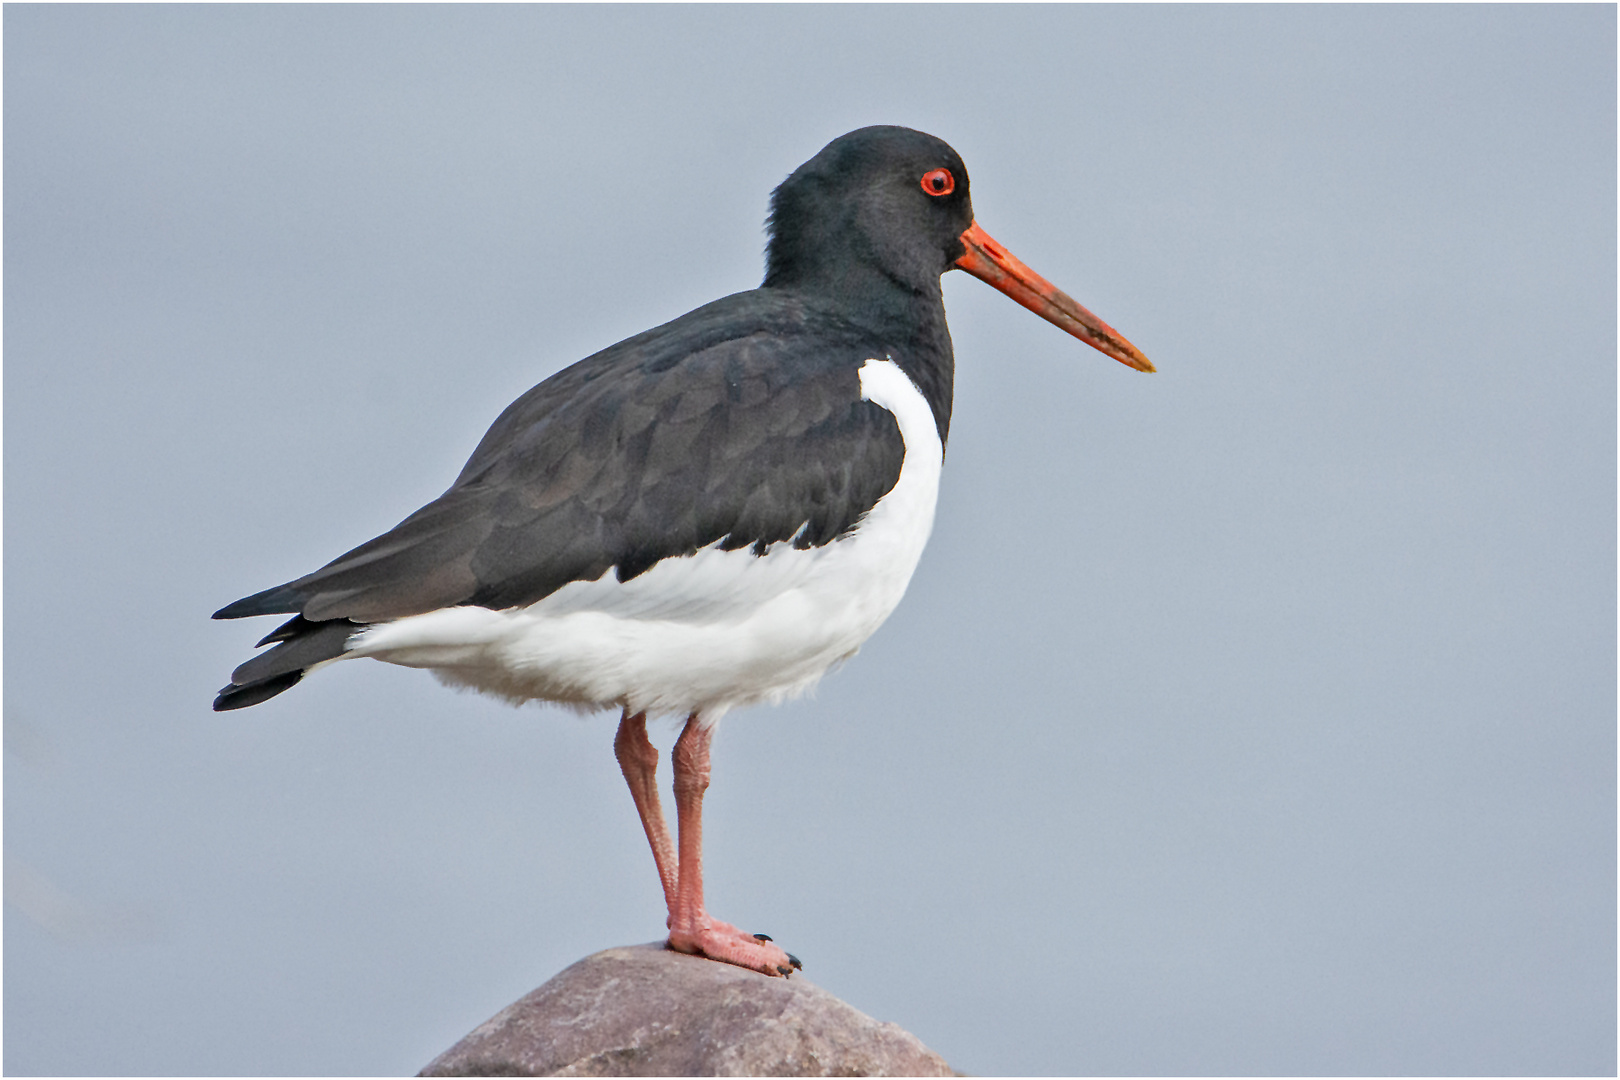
{"points": [[638, 760], [691, 928]]}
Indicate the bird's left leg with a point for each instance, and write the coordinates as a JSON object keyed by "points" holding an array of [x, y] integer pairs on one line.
{"points": [[691, 929]]}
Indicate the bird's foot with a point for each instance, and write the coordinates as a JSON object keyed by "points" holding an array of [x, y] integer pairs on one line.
{"points": [[724, 942]]}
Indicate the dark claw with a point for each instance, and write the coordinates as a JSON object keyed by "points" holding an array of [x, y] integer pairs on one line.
{"points": [[782, 971], [763, 937], [794, 960]]}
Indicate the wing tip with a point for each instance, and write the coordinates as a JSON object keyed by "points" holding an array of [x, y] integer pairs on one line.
{"points": [[281, 600]]}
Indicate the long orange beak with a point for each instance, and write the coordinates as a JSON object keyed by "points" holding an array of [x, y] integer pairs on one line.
{"points": [[989, 261]]}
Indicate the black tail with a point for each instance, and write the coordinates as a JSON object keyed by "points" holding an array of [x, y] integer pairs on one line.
{"points": [[300, 645], [240, 697]]}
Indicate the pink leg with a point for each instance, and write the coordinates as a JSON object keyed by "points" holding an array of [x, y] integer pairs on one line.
{"points": [[638, 759], [691, 930]]}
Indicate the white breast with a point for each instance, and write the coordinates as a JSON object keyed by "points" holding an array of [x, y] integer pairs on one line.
{"points": [[707, 632]]}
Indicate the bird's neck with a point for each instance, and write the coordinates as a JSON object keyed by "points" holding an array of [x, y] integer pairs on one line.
{"points": [[908, 324]]}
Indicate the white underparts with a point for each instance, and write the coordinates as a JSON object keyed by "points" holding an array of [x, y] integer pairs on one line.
{"points": [[707, 632]]}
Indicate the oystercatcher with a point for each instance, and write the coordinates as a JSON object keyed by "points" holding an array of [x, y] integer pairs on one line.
{"points": [[710, 514]]}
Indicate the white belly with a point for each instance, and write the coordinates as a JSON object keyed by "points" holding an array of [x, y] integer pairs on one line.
{"points": [[706, 632]]}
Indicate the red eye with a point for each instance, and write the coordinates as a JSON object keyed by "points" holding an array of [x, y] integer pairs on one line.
{"points": [[939, 182]]}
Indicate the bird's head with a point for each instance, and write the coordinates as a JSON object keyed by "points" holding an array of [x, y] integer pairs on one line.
{"points": [[892, 203], [886, 198]]}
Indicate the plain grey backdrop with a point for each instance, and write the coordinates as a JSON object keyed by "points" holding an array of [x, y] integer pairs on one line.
{"points": [[1257, 716]]}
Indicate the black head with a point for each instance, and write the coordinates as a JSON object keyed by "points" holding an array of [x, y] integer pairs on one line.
{"points": [[879, 203], [871, 223]]}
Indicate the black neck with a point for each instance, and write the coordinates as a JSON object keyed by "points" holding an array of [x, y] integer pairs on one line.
{"points": [[909, 324]]}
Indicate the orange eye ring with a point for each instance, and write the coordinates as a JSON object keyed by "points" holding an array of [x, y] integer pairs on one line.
{"points": [[938, 182]]}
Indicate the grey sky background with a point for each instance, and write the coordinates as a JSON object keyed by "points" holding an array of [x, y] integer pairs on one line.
{"points": [[1253, 717]]}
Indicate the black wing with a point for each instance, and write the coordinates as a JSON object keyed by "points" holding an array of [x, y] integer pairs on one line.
{"points": [[740, 423]]}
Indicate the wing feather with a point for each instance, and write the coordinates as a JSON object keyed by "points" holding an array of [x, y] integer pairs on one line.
{"points": [[739, 424]]}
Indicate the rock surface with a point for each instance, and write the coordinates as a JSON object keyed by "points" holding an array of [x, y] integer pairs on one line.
{"points": [[645, 1011]]}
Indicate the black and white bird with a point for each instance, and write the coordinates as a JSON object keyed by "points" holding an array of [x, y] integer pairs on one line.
{"points": [[707, 515]]}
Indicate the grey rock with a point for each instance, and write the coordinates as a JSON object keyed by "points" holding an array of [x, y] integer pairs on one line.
{"points": [[645, 1011]]}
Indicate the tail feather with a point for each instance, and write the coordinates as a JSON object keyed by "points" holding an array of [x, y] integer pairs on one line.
{"points": [[323, 641], [300, 645], [287, 631], [240, 697]]}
